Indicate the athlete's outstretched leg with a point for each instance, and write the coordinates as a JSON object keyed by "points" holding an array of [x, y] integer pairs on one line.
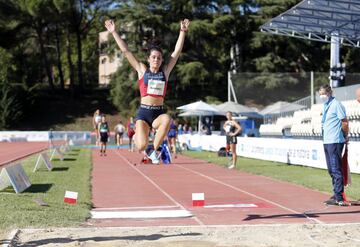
{"points": [[162, 125], [141, 135]]}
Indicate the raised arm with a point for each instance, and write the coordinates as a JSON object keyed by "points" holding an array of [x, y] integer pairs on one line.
{"points": [[139, 67], [184, 25]]}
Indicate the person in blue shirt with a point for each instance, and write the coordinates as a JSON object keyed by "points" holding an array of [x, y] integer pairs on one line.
{"points": [[172, 136], [335, 134]]}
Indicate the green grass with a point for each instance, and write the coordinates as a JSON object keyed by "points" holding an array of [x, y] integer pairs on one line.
{"points": [[20, 210], [313, 178]]}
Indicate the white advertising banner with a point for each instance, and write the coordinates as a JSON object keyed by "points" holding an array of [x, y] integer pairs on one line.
{"points": [[290, 151], [44, 136], [202, 142], [354, 157], [75, 136], [299, 152], [30, 136]]}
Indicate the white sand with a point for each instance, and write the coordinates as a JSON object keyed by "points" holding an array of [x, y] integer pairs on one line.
{"points": [[244, 235]]}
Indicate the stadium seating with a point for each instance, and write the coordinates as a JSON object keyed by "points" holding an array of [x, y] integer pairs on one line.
{"points": [[307, 123], [354, 129]]}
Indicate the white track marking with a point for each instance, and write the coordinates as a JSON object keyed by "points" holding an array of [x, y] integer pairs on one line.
{"points": [[238, 205], [134, 208], [156, 186], [154, 214], [248, 193]]}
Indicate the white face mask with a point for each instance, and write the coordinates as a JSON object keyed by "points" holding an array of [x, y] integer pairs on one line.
{"points": [[324, 98]]}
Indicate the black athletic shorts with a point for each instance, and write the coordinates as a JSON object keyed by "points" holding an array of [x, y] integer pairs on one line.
{"points": [[149, 113], [231, 140], [104, 137]]}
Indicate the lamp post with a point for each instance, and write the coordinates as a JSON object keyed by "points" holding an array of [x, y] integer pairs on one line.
{"points": [[337, 69], [337, 75]]}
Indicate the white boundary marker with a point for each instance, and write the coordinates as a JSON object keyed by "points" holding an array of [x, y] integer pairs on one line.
{"points": [[157, 186], [154, 214], [248, 193], [59, 153], [45, 158], [14, 175], [198, 199]]}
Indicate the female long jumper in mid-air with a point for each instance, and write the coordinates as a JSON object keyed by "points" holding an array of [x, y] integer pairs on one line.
{"points": [[153, 82]]}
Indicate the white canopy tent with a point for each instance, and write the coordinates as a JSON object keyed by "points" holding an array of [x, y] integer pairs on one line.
{"points": [[281, 107], [198, 109], [198, 106], [234, 108], [250, 112]]}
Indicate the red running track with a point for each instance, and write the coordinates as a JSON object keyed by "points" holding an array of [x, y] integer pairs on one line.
{"points": [[118, 184], [15, 151]]}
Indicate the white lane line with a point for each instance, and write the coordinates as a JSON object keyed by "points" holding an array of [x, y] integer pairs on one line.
{"points": [[250, 194], [156, 186], [155, 214], [239, 205], [134, 208]]}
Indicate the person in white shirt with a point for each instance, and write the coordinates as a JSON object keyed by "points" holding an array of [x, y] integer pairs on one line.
{"points": [[95, 121], [119, 133]]}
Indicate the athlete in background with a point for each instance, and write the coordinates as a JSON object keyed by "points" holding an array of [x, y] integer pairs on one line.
{"points": [[232, 129]]}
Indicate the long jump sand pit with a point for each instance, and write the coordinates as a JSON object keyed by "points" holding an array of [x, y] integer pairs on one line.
{"points": [[197, 236]]}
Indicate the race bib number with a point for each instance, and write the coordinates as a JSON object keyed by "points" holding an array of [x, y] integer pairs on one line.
{"points": [[227, 128], [156, 87]]}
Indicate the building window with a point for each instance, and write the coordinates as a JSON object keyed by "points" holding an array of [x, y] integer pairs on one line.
{"points": [[103, 61]]}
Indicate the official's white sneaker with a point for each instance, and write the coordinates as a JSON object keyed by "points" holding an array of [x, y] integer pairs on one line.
{"points": [[231, 167], [155, 157]]}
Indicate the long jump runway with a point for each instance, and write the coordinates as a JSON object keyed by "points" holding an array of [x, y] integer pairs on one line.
{"points": [[126, 193], [15, 151]]}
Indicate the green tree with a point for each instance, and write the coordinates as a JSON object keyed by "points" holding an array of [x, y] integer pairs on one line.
{"points": [[205, 60], [10, 108], [123, 90], [79, 15]]}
